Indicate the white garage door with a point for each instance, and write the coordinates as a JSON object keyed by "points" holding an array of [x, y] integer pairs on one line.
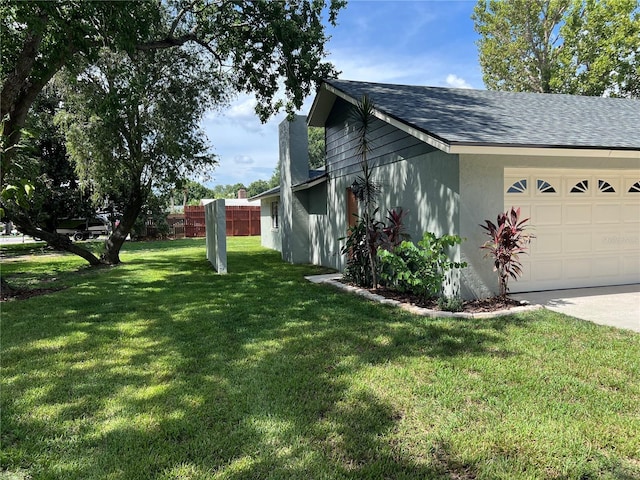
{"points": [[586, 223]]}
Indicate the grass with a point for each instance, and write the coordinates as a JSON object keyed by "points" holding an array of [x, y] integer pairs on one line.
{"points": [[161, 369]]}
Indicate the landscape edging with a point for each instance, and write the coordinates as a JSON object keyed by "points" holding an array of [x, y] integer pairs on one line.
{"points": [[425, 312]]}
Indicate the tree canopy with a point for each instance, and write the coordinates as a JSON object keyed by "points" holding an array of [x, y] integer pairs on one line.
{"points": [[588, 47], [132, 127], [263, 46]]}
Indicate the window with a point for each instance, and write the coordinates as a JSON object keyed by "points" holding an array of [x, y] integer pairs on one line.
{"points": [[581, 187], [275, 220], [635, 188], [352, 208], [605, 187], [519, 187], [545, 187]]}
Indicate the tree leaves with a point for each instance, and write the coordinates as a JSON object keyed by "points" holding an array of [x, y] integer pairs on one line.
{"points": [[586, 47]]}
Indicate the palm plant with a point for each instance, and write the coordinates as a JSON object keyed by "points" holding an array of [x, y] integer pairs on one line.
{"points": [[364, 188]]}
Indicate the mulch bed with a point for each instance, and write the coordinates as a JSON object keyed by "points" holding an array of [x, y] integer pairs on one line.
{"points": [[492, 304]]}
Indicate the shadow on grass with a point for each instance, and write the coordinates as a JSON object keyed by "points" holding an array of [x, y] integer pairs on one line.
{"points": [[162, 369]]}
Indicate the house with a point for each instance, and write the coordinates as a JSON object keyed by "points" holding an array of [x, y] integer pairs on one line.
{"points": [[452, 158]]}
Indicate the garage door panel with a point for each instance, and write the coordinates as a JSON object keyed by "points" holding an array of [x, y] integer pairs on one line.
{"points": [[578, 269], [629, 241], [606, 213], [631, 213], [631, 267], [616, 241], [577, 242], [548, 244], [544, 271], [547, 214], [587, 231], [578, 214], [525, 210], [606, 266]]}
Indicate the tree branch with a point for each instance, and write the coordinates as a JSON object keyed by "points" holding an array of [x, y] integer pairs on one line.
{"points": [[17, 78]]}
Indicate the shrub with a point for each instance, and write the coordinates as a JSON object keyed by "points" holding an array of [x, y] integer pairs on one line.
{"points": [[363, 241], [507, 241], [419, 269], [450, 304], [356, 247], [394, 233]]}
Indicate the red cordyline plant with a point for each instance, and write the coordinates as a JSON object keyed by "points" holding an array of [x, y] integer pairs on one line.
{"points": [[508, 240]]}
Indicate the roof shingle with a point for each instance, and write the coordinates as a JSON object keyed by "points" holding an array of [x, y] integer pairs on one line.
{"points": [[485, 117]]}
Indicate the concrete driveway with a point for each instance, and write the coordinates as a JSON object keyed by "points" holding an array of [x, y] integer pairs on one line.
{"points": [[617, 306]]}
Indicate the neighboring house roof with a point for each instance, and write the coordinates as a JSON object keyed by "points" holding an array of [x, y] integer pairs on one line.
{"points": [[450, 117], [316, 176], [233, 202], [272, 192]]}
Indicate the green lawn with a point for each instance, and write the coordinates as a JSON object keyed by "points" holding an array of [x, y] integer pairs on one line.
{"points": [[161, 369]]}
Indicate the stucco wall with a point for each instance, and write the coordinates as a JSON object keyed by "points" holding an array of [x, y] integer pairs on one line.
{"points": [[269, 237], [294, 169]]}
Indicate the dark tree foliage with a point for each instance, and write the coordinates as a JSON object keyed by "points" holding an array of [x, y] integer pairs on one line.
{"points": [[57, 194], [132, 125], [261, 45], [240, 46]]}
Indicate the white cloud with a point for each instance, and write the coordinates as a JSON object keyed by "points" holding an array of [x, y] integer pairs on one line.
{"points": [[243, 160], [242, 108], [457, 82], [426, 69]]}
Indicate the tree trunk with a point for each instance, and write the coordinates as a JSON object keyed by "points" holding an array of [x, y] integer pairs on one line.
{"points": [[111, 255], [17, 78], [56, 240]]}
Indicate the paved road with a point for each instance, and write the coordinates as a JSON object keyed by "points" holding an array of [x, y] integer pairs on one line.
{"points": [[15, 239]]}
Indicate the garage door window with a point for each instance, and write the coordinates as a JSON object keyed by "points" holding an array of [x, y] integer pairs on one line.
{"points": [[605, 187], [581, 187], [635, 188], [545, 187], [519, 187]]}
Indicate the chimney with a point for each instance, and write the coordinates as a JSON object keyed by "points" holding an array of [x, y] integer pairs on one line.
{"points": [[242, 193], [294, 169], [294, 151]]}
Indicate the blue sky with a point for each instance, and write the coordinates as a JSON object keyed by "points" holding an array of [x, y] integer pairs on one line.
{"points": [[408, 42]]}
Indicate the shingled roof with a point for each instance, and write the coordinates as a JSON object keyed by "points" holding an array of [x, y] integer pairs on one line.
{"points": [[490, 118]]}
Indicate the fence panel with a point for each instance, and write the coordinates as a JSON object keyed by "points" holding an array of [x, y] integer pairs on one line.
{"points": [[194, 223], [241, 221]]}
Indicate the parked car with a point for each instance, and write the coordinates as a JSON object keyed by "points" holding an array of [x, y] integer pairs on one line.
{"points": [[84, 228]]}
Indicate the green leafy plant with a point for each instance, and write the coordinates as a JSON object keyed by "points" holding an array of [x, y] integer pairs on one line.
{"points": [[508, 240], [361, 243], [364, 188], [365, 238], [419, 269], [450, 304]]}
